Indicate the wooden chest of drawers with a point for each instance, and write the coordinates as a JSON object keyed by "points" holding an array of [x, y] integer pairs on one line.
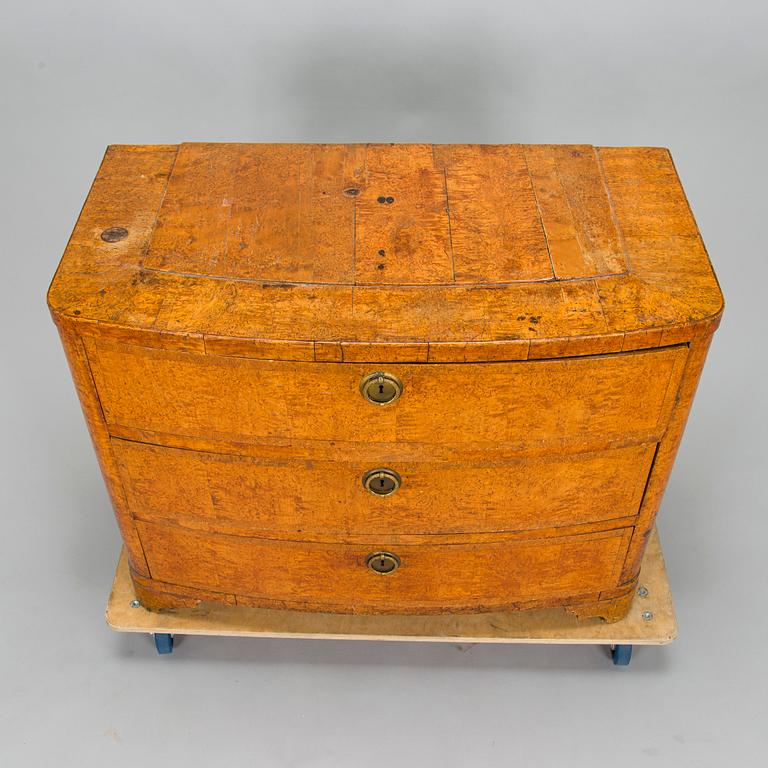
{"points": [[386, 378]]}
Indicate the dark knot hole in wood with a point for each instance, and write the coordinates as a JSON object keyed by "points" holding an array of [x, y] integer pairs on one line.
{"points": [[114, 234]]}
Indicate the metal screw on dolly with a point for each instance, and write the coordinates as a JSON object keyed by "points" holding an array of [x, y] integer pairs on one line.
{"points": [[647, 615], [135, 604], [642, 591]]}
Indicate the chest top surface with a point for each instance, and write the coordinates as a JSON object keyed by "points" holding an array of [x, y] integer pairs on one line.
{"points": [[388, 243]]}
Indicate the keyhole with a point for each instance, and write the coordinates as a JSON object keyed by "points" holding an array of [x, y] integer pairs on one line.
{"points": [[381, 482], [382, 562], [381, 388]]}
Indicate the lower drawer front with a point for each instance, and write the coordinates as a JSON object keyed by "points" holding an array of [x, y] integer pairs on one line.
{"points": [[430, 577], [283, 497]]}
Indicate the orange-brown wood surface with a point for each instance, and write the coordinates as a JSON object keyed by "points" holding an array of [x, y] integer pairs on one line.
{"points": [[282, 243], [287, 497], [579, 400], [547, 309], [548, 625], [334, 576]]}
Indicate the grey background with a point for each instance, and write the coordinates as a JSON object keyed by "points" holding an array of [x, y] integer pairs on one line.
{"points": [[76, 76]]}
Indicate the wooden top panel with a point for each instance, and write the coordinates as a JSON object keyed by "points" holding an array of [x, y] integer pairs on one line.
{"points": [[549, 249], [392, 214]]}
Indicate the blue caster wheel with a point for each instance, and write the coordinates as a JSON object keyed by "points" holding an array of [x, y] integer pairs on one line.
{"points": [[163, 642], [621, 655]]}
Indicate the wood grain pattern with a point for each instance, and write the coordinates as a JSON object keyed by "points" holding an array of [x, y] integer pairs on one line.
{"points": [[665, 458], [547, 625], [94, 418], [548, 310], [576, 212], [259, 211], [468, 577], [633, 262], [492, 210], [402, 233], [287, 497], [576, 401]]}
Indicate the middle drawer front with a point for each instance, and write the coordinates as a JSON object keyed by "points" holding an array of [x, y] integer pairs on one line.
{"points": [[284, 496]]}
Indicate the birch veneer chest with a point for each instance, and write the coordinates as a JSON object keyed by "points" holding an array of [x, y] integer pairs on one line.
{"points": [[386, 378]]}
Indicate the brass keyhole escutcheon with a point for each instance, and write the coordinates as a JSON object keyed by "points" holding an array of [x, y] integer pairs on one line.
{"points": [[383, 562], [381, 482], [381, 388]]}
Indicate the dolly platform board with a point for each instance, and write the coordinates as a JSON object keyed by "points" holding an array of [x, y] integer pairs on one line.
{"points": [[650, 620]]}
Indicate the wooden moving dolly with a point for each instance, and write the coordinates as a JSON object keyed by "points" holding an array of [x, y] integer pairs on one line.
{"points": [[650, 621]]}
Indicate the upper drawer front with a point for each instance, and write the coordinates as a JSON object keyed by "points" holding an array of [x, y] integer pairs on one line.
{"points": [[533, 403], [430, 577], [291, 497]]}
